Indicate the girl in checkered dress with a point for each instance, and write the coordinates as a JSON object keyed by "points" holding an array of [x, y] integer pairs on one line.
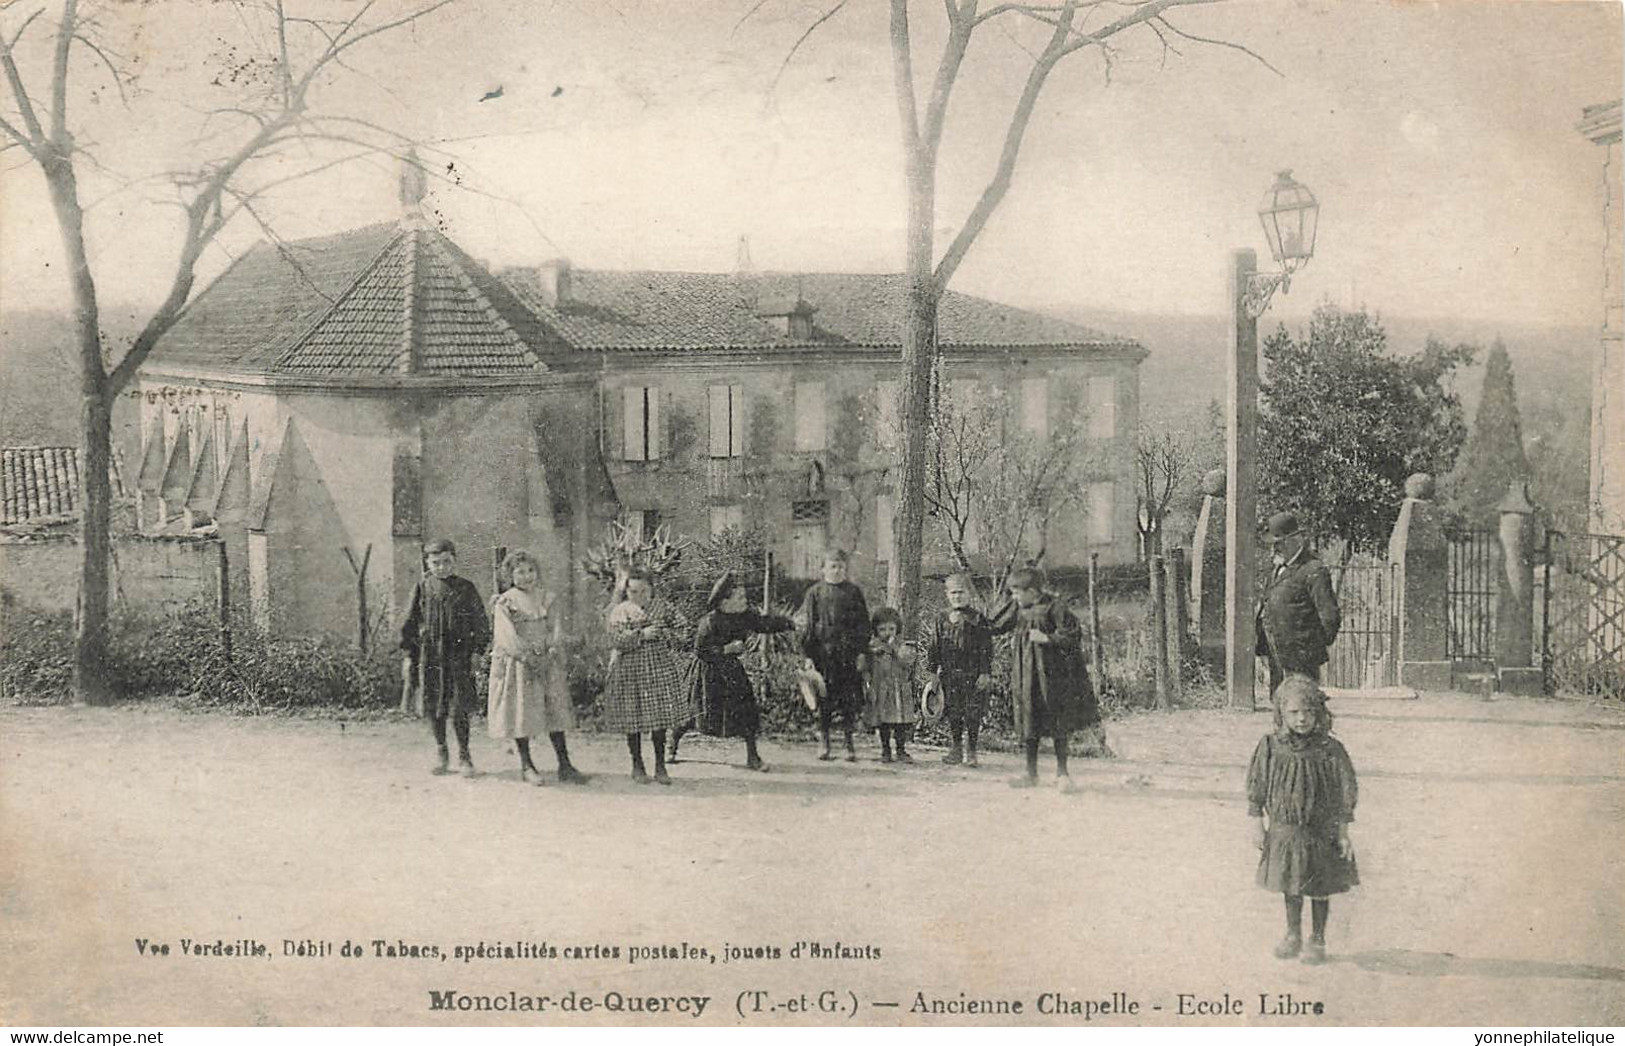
{"points": [[645, 691]]}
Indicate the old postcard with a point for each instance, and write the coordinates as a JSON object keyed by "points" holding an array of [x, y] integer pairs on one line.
{"points": [[761, 513]]}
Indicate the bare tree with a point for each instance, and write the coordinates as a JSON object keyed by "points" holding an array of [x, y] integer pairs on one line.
{"points": [[1163, 466], [1064, 29], [1006, 488], [285, 65]]}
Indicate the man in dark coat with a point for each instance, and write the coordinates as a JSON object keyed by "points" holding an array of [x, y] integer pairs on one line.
{"points": [[1298, 616]]}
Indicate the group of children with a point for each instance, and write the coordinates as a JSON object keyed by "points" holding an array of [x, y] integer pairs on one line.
{"points": [[1301, 784]]}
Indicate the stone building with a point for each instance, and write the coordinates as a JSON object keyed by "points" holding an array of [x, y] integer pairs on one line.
{"points": [[1600, 123], [335, 401]]}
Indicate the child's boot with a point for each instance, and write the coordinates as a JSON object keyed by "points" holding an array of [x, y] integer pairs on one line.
{"points": [[661, 777], [885, 744], [442, 761], [851, 752], [823, 743], [970, 746], [1292, 943], [956, 754], [753, 758], [568, 774], [1030, 778], [634, 744], [465, 762], [902, 741], [1314, 950]]}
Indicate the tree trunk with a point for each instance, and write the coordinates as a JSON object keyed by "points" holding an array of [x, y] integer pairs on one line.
{"points": [[919, 352], [90, 679]]}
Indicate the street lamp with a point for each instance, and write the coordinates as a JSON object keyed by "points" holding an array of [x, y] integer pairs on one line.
{"points": [[1290, 216]]}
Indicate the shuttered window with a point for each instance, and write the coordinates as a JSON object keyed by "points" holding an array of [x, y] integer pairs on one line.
{"points": [[727, 408], [810, 423], [641, 423], [1103, 407]]}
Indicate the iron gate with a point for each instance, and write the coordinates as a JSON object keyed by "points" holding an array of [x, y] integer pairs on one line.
{"points": [[1583, 614], [1473, 566], [1365, 654]]}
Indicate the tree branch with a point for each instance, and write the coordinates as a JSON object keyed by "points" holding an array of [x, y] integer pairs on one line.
{"points": [[118, 81], [18, 35], [67, 29], [903, 77], [1218, 43], [25, 104], [808, 32], [999, 184]]}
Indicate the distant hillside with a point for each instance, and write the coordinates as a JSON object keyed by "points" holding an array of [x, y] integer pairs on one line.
{"points": [[1552, 364], [1551, 370], [39, 404]]}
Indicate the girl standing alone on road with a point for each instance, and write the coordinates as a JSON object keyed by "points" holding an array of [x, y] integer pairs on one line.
{"points": [[1301, 786]]}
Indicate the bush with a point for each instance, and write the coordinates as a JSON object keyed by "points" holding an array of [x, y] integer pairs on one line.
{"points": [[36, 662], [180, 654]]}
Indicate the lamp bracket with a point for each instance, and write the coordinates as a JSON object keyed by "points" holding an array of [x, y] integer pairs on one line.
{"points": [[1261, 286]]}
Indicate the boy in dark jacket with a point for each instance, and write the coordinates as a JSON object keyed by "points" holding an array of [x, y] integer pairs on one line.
{"points": [[1049, 678], [834, 636], [445, 627], [959, 651]]}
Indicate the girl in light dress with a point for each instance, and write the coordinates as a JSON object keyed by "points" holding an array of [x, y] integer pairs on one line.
{"points": [[529, 693]]}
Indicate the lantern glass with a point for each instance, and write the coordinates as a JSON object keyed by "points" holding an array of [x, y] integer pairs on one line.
{"points": [[1290, 214]]}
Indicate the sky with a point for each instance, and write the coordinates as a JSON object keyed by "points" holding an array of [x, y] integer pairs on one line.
{"points": [[1439, 137]]}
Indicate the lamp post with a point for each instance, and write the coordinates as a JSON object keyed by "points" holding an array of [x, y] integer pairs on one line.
{"points": [[1289, 214]]}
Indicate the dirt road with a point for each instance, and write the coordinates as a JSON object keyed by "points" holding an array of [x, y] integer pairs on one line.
{"points": [[1489, 839]]}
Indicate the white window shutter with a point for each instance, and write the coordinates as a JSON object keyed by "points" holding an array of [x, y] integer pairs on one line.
{"points": [[1035, 406], [632, 429], [718, 397], [810, 426], [652, 398], [736, 420], [1103, 407]]}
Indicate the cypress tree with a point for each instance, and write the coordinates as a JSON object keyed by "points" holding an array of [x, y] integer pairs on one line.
{"points": [[1494, 456]]}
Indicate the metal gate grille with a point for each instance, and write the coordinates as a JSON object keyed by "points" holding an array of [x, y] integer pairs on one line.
{"points": [[1473, 562], [1583, 638], [1365, 654]]}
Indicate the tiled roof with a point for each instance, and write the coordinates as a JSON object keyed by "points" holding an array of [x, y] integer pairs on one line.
{"points": [[38, 483], [676, 310], [403, 299], [379, 300]]}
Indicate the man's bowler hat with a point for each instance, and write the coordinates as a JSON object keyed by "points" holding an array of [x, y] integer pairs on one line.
{"points": [[1283, 525]]}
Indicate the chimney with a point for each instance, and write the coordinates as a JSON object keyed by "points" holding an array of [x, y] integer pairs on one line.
{"points": [[553, 282], [414, 186]]}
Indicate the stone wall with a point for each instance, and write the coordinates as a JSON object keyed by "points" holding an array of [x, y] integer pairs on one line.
{"points": [[150, 574]]}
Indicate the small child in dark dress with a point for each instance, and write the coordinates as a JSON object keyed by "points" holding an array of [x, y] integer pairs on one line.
{"points": [[445, 627], [1301, 786], [959, 652], [724, 699], [889, 676]]}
